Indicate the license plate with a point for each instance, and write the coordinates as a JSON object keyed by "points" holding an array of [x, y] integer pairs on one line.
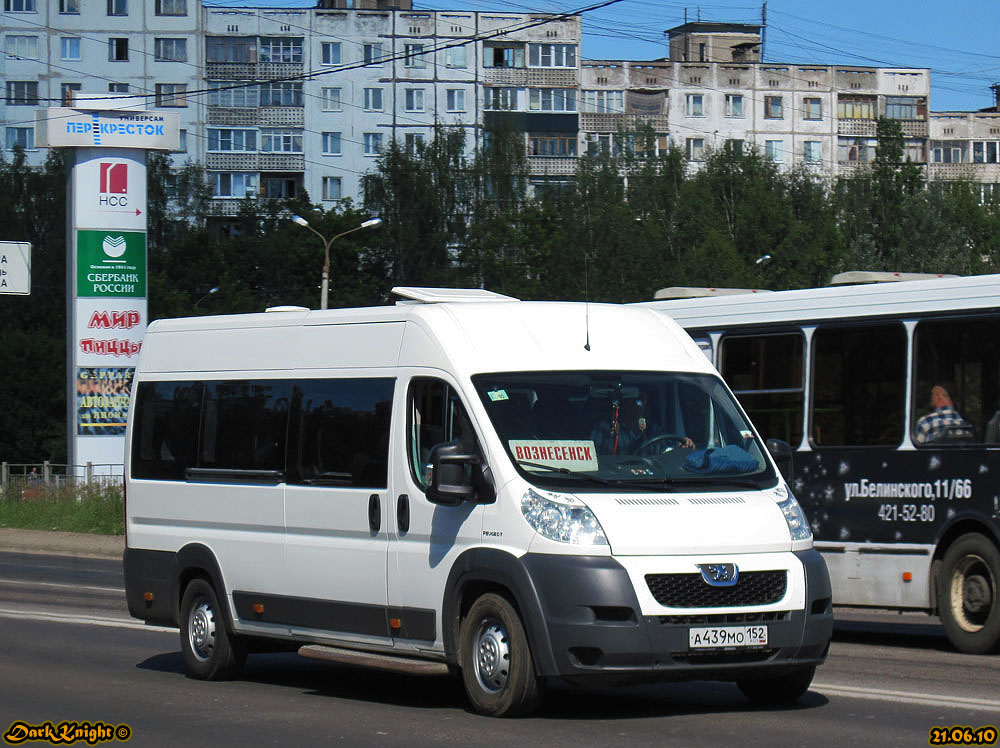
{"points": [[727, 636]]}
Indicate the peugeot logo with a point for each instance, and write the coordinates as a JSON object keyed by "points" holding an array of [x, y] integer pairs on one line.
{"points": [[719, 575]]}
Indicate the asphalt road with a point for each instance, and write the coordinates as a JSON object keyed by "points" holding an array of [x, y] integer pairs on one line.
{"points": [[68, 651]]}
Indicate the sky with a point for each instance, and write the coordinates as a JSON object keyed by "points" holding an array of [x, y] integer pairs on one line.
{"points": [[957, 40]]}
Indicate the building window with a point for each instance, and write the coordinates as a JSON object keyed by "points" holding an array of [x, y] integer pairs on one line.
{"points": [[414, 57], [330, 98], [228, 94], [332, 188], [734, 105], [281, 49], [118, 49], [182, 141], [812, 109], [552, 99], [734, 146], [19, 47], [331, 144], [372, 143], [455, 57], [22, 136], [281, 94], [66, 91], [772, 107], [330, 52], [414, 142], [118, 88], [230, 49], [552, 145], [69, 7], [171, 94], [904, 108], [500, 99], [985, 151], [455, 100], [69, 48], [860, 150], [602, 143], [19, 6], [604, 102], [280, 140], [22, 93], [235, 184], [772, 150], [280, 187], [232, 140], [117, 7], [856, 107], [696, 149], [171, 7], [170, 50], [373, 100], [503, 56], [414, 99], [949, 152], [372, 53], [812, 152], [552, 55], [695, 106]]}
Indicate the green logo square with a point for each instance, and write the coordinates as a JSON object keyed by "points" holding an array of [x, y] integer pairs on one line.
{"points": [[111, 263]]}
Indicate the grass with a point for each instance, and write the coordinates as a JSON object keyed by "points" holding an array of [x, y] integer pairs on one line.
{"points": [[90, 509]]}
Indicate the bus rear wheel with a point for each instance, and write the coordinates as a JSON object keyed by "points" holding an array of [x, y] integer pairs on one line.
{"points": [[967, 594], [210, 651]]}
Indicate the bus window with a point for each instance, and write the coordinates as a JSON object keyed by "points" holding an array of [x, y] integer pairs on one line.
{"points": [[765, 372], [859, 385], [962, 355]]}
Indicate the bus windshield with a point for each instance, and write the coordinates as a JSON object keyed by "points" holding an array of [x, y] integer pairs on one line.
{"points": [[655, 430]]}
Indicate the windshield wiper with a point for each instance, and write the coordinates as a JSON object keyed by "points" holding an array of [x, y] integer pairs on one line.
{"points": [[565, 471], [708, 480]]}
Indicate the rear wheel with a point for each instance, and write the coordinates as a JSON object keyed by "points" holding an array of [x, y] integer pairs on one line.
{"points": [[210, 651], [497, 669], [967, 594], [778, 689]]}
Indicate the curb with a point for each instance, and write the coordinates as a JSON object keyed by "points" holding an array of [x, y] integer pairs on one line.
{"points": [[61, 543]]}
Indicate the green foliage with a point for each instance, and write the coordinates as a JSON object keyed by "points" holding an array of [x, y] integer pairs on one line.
{"points": [[91, 509]]}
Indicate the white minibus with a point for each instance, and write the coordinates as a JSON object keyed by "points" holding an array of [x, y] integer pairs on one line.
{"points": [[515, 491]]}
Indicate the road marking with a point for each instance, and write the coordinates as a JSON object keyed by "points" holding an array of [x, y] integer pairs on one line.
{"points": [[41, 615], [93, 588], [908, 697]]}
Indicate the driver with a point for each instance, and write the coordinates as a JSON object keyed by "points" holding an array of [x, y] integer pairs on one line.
{"points": [[627, 429]]}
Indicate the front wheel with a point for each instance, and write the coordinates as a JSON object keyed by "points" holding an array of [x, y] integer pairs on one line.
{"points": [[967, 594], [497, 669], [210, 651], [779, 689]]}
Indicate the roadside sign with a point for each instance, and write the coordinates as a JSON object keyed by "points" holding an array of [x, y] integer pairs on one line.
{"points": [[15, 268]]}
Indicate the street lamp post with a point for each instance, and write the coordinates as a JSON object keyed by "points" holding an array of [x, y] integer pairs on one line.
{"points": [[325, 285]]}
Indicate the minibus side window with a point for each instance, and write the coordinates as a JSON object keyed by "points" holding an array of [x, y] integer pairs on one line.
{"points": [[437, 415], [165, 429], [244, 425], [962, 356], [859, 387], [339, 432]]}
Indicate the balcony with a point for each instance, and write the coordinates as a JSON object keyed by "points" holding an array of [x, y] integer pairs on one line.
{"points": [[603, 122], [252, 71], [269, 116], [914, 128], [536, 77], [255, 162], [282, 116], [969, 171], [861, 128], [540, 166], [233, 116]]}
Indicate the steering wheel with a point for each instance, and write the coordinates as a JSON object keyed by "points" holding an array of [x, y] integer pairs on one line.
{"points": [[661, 444]]}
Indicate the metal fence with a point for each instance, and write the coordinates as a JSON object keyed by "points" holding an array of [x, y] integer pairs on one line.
{"points": [[27, 479]]}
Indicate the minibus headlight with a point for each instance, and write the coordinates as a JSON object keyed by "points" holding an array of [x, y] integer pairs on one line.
{"points": [[562, 518], [798, 525]]}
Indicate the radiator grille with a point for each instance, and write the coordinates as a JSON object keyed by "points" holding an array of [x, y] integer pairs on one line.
{"points": [[691, 591]]}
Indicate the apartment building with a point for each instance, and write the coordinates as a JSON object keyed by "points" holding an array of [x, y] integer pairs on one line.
{"points": [[274, 101]]}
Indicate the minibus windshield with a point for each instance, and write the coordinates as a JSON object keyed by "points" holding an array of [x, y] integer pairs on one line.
{"points": [[649, 430]]}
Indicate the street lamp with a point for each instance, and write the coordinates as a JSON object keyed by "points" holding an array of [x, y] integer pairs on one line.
{"points": [[212, 290], [325, 287]]}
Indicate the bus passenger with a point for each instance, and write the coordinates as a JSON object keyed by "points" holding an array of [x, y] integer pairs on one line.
{"points": [[944, 422]]}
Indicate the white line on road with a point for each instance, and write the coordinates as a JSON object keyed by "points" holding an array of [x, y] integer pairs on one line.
{"points": [[93, 588], [908, 697], [41, 615]]}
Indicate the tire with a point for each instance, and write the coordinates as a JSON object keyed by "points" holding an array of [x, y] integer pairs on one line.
{"points": [[497, 669], [967, 594], [210, 651], [781, 689]]}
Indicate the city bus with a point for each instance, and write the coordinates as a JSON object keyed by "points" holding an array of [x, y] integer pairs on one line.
{"points": [[905, 519]]}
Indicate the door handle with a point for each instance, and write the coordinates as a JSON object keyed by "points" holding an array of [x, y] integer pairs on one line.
{"points": [[374, 513], [403, 513]]}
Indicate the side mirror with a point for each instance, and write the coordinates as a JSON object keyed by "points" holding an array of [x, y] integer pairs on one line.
{"points": [[782, 454], [454, 477]]}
